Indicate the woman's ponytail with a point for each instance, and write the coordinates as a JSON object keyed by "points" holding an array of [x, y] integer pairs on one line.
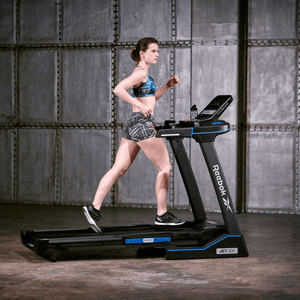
{"points": [[135, 55]]}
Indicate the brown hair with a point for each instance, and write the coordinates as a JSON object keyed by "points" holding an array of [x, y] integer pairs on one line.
{"points": [[142, 45]]}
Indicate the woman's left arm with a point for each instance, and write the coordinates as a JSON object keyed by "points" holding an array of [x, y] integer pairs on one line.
{"points": [[171, 82]]}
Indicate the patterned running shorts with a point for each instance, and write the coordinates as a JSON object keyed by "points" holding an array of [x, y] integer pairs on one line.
{"points": [[138, 127]]}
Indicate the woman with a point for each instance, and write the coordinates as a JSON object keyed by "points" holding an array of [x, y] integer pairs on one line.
{"points": [[139, 133]]}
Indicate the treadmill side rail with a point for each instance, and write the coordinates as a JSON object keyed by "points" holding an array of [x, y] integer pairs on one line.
{"points": [[228, 245]]}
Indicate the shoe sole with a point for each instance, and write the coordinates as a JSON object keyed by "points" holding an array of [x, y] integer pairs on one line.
{"points": [[169, 224], [90, 220]]}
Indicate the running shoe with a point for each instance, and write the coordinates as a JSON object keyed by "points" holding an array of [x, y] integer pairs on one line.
{"points": [[168, 219], [93, 217]]}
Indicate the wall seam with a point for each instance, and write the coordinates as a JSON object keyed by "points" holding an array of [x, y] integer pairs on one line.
{"points": [[59, 22], [57, 129], [114, 50], [15, 104], [298, 118], [242, 85], [58, 103], [172, 99]]}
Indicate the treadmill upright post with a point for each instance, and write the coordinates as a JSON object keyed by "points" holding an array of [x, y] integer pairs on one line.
{"points": [[221, 187], [188, 178]]}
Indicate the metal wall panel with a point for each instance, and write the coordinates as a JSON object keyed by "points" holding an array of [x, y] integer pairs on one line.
{"points": [[271, 172], [272, 106], [183, 19], [182, 97], [86, 86], [7, 22], [182, 107], [137, 186], [6, 87], [38, 21], [85, 156], [87, 21], [215, 19], [140, 19], [6, 164], [37, 86], [273, 85], [273, 19], [214, 72], [36, 165]]}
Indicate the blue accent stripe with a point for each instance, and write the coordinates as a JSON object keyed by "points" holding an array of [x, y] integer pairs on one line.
{"points": [[208, 132], [202, 249], [148, 240]]}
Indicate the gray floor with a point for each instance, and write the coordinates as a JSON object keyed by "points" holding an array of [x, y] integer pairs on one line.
{"points": [[272, 270]]}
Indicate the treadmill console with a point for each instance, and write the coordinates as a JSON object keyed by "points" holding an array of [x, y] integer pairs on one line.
{"points": [[210, 113], [204, 127], [215, 108]]}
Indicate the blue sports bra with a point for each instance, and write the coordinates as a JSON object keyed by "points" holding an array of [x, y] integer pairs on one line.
{"points": [[146, 89]]}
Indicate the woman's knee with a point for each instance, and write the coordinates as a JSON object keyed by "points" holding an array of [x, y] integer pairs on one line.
{"points": [[166, 169], [119, 171]]}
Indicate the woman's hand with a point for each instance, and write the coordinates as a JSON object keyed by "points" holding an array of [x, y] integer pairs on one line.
{"points": [[173, 81], [145, 110]]}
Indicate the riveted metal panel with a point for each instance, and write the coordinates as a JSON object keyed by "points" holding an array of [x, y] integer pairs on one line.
{"points": [[86, 21], [6, 165], [271, 172], [183, 90], [84, 157], [36, 165], [160, 73], [6, 87], [273, 19], [137, 186], [215, 19], [273, 85], [38, 21], [214, 72], [37, 86], [140, 19], [86, 86], [183, 19], [7, 22]]}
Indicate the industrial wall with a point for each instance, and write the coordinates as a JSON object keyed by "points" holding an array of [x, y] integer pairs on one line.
{"points": [[60, 123]]}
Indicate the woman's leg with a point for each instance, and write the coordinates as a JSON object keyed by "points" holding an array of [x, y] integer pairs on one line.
{"points": [[156, 150], [126, 154]]}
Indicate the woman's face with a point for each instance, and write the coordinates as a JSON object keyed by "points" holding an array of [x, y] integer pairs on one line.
{"points": [[151, 54]]}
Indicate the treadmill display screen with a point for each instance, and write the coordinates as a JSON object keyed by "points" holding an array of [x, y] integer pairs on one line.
{"points": [[208, 112], [215, 108]]}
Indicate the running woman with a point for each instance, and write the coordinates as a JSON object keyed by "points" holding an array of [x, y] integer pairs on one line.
{"points": [[139, 133]]}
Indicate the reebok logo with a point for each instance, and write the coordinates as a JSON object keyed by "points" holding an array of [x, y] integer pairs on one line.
{"points": [[227, 203], [220, 181]]}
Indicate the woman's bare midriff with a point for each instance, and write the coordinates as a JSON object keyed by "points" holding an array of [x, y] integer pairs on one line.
{"points": [[149, 101]]}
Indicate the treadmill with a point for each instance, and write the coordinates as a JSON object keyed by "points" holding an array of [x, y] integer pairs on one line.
{"points": [[198, 238]]}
